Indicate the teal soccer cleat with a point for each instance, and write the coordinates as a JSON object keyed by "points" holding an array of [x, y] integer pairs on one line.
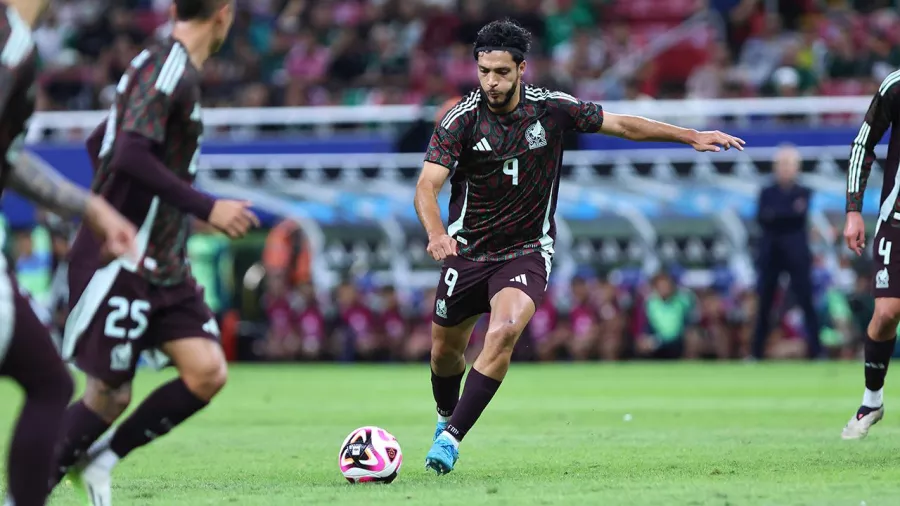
{"points": [[443, 454]]}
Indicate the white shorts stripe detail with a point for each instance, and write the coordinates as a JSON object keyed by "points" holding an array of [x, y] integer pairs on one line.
{"points": [[7, 309]]}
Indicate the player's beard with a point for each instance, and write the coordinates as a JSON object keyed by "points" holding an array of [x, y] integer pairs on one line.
{"points": [[505, 100]]}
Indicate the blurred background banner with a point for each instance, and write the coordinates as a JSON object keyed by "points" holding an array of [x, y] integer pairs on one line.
{"points": [[319, 112]]}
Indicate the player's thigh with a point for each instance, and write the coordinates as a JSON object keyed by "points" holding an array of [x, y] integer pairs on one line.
{"points": [[185, 329], [462, 291], [453, 339], [108, 324], [516, 290]]}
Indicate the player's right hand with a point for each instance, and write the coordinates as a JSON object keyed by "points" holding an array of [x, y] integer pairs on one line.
{"points": [[855, 232], [233, 217], [441, 247], [117, 233]]}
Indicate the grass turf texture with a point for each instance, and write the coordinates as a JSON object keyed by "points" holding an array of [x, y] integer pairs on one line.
{"points": [[699, 434]]}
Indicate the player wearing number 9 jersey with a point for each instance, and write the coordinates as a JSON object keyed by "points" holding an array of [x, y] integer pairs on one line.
{"points": [[501, 147], [145, 160]]}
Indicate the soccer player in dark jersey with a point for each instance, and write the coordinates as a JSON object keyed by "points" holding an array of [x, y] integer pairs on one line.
{"points": [[884, 111], [27, 352], [501, 147], [146, 159]]}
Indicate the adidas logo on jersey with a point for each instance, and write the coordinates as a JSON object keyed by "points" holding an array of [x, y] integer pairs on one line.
{"points": [[482, 145]]}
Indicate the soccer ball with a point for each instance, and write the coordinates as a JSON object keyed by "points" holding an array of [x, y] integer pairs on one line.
{"points": [[370, 455]]}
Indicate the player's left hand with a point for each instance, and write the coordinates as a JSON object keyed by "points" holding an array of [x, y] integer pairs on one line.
{"points": [[715, 141], [118, 234]]}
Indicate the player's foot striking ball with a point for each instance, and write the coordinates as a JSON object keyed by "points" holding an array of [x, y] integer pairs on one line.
{"points": [[503, 144], [881, 337], [145, 162], [27, 352]]}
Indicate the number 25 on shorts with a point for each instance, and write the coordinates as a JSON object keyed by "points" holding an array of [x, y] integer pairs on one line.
{"points": [[123, 309], [884, 250]]}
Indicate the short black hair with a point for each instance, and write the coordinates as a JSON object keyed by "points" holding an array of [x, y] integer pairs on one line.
{"points": [[189, 10], [504, 33]]}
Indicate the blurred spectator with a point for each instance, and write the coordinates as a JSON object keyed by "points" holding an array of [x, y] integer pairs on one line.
{"points": [[286, 255], [209, 252], [670, 331], [357, 334]]}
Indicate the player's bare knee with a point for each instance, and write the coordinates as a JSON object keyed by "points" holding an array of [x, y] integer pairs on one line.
{"points": [[205, 379], [502, 339], [109, 402], [885, 319]]}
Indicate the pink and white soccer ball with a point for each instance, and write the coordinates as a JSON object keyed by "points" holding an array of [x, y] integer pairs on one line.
{"points": [[370, 455]]}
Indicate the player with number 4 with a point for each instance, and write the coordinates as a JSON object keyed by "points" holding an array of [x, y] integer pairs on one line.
{"points": [[501, 147], [881, 335]]}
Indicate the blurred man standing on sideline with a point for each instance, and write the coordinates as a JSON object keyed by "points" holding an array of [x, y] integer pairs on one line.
{"points": [[784, 247]]}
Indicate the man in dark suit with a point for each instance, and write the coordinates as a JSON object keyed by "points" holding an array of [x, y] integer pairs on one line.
{"points": [[784, 247]]}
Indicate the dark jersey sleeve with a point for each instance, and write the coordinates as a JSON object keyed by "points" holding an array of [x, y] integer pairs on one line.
{"points": [[446, 147], [584, 117], [149, 104], [882, 111]]}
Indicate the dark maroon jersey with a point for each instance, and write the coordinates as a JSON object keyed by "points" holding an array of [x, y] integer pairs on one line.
{"points": [[17, 72], [884, 111], [157, 98], [505, 170]]}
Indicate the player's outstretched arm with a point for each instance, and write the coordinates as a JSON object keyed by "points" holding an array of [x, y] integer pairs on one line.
{"points": [[431, 180], [882, 110], [636, 128]]}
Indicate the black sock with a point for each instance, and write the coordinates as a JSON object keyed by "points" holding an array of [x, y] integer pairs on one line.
{"points": [[81, 427], [477, 394], [878, 356], [165, 408], [446, 392]]}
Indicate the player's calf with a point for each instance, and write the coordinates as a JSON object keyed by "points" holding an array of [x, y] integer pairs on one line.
{"points": [[879, 346], [201, 365], [86, 420]]}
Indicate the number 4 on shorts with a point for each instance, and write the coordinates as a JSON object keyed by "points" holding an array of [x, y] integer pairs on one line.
{"points": [[884, 250]]}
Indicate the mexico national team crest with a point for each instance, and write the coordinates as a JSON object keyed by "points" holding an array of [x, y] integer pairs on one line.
{"points": [[882, 279], [440, 308], [536, 136]]}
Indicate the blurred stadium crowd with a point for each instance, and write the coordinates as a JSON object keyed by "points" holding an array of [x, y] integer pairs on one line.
{"points": [[349, 52], [352, 52], [273, 312]]}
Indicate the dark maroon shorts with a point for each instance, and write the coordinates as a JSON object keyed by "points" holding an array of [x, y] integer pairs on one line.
{"points": [[886, 280], [115, 315], [466, 287], [24, 338]]}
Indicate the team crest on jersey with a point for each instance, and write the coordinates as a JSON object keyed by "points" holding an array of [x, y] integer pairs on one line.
{"points": [[440, 308], [882, 279], [536, 136]]}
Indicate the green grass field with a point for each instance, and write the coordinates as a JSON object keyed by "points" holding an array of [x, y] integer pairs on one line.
{"points": [[699, 434]]}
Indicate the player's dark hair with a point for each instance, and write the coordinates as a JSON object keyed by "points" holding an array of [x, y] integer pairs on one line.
{"points": [[503, 35], [189, 10]]}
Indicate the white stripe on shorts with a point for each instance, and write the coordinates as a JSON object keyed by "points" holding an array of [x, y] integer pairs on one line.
{"points": [[7, 309]]}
